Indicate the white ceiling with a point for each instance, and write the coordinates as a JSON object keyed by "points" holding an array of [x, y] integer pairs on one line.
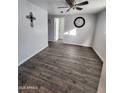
{"points": [[94, 6]]}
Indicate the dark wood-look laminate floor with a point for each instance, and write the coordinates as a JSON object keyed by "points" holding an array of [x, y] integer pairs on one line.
{"points": [[61, 68]]}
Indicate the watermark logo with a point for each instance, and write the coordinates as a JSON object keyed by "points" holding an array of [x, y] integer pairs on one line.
{"points": [[27, 87]]}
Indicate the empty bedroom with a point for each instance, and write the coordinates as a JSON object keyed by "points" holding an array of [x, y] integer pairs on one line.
{"points": [[61, 46]]}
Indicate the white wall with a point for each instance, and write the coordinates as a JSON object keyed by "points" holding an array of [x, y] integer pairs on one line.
{"points": [[99, 41], [79, 36], [99, 45], [31, 40]]}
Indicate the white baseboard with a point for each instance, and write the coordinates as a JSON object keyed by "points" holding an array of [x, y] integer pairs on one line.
{"points": [[77, 44], [98, 54], [50, 40], [23, 61]]}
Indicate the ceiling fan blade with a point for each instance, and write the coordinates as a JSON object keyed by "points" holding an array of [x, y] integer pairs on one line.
{"points": [[78, 8], [70, 2], [68, 10], [62, 7], [82, 3]]}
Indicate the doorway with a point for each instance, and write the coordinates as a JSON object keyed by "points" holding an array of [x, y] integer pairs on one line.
{"points": [[58, 29]]}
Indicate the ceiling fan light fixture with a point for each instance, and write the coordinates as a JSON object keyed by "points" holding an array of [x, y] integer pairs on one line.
{"points": [[61, 11]]}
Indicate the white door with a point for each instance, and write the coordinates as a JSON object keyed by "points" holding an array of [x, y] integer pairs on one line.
{"points": [[61, 28], [56, 29]]}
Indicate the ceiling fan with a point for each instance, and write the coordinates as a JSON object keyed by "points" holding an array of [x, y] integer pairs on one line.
{"points": [[72, 5]]}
